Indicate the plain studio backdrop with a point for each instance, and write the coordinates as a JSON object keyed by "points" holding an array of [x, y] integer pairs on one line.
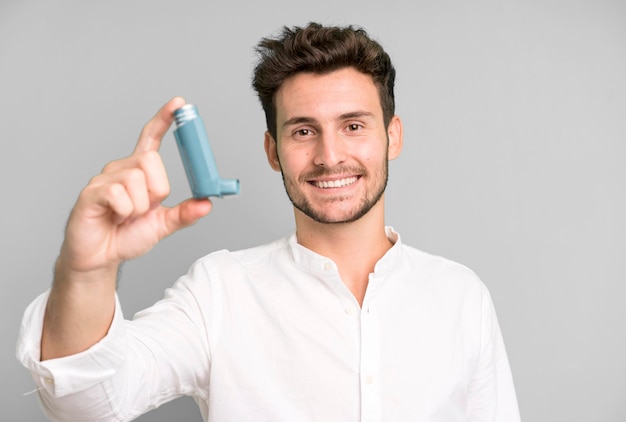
{"points": [[515, 131]]}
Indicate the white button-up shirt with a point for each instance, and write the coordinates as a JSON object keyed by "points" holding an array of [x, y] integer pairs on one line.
{"points": [[273, 334]]}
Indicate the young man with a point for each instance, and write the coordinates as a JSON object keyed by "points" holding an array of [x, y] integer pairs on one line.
{"points": [[337, 322]]}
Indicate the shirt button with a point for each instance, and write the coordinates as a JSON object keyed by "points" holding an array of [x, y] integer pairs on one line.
{"points": [[48, 380], [369, 380], [350, 310], [328, 266]]}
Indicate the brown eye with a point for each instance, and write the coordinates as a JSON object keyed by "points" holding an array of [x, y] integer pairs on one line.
{"points": [[354, 127]]}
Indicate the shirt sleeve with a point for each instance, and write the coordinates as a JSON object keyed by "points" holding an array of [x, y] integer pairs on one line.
{"points": [[64, 384], [492, 395], [140, 364]]}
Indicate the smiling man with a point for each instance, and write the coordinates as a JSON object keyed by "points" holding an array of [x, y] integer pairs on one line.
{"points": [[332, 146], [332, 126], [340, 321]]}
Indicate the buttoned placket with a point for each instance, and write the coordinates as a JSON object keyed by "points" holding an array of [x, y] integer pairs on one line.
{"points": [[371, 405], [367, 325]]}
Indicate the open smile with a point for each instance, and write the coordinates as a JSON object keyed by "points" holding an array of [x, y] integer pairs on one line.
{"points": [[338, 183]]}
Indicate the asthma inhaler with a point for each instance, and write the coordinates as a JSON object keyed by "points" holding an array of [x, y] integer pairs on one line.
{"points": [[198, 160]]}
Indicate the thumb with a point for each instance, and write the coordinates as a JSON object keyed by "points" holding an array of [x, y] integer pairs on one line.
{"points": [[185, 214]]}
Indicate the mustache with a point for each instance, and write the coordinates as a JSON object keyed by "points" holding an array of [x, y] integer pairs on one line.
{"points": [[328, 172]]}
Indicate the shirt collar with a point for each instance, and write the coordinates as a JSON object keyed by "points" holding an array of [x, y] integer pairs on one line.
{"points": [[314, 262]]}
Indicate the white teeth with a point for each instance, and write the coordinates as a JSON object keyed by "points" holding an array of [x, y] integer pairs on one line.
{"points": [[335, 183]]}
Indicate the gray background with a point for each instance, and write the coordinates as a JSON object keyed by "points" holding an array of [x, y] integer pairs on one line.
{"points": [[515, 126]]}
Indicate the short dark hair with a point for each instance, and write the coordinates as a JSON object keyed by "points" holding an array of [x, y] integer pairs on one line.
{"points": [[319, 49]]}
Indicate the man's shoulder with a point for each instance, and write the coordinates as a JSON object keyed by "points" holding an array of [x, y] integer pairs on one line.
{"points": [[248, 256], [440, 269]]}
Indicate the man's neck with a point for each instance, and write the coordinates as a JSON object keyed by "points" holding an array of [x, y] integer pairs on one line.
{"points": [[355, 247]]}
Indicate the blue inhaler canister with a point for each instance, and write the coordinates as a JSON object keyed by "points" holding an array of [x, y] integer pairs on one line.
{"points": [[198, 160]]}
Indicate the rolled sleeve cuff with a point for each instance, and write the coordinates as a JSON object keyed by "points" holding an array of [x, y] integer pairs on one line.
{"points": [[71, 374]]}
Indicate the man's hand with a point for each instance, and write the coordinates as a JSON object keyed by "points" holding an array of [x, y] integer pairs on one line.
{"points": [[117, 217]]}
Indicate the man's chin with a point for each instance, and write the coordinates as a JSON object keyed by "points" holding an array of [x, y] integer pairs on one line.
{"points": [[332, 218], [335, 210]]}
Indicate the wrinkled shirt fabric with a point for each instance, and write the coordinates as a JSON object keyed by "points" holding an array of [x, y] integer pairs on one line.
{"points": [[273, 334]]}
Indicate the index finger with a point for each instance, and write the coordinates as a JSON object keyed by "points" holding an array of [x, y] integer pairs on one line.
{"points": [[153, 132]]}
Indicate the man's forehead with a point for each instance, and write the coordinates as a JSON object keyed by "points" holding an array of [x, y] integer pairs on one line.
{"points": [[341, 92]]}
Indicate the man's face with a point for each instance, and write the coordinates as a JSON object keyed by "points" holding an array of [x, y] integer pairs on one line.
{"points": [[332, 147]]}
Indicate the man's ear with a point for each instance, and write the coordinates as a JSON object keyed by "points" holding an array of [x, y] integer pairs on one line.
{"points": [[271, 151], [394, 132]]}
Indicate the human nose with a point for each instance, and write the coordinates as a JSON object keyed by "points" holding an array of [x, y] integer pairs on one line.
{"points": [[329, 151]]}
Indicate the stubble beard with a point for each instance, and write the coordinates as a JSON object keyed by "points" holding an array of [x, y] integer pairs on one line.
{"points": [[366, 203]]}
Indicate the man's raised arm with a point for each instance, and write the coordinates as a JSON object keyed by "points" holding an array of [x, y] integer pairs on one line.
{"points": [[117, 217]]}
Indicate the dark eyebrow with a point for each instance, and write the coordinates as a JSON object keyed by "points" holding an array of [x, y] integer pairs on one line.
{"points": [[344, 116], [356, 114], [298, 120]]}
